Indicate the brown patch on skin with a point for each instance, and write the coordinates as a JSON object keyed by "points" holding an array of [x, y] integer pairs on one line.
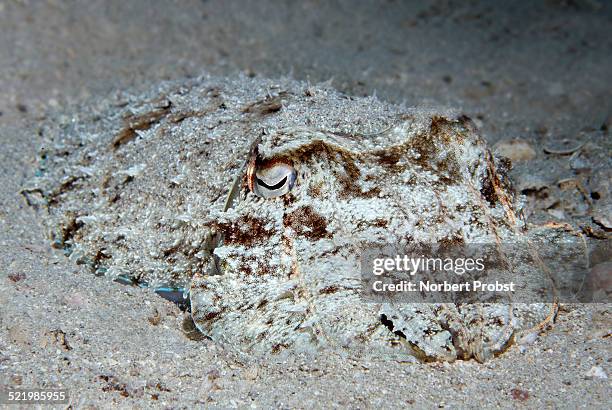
{"points": [[211, 315], [246, 269], [288, 199], [451, 242], [350, 176], [426, 148], [442, 130], [314, 191], [333, 154], [133, 123], [173, 249], [374, 192], [268, 105], [350, 168], [441, 127], [453, 176], [216, 103], [318, 148], [246, 231], [306, 222], [98, 258], [314, 148], [381, 223], [278, 347], [181, 116], [328, 290], [286, 241], [389, 157]]}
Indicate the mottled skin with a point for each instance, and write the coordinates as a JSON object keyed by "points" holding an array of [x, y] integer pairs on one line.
{"points": [[288, 268], [158, 189]]}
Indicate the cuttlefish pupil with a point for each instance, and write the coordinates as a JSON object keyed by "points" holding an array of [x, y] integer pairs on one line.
{"points": [[272, 187], [270, 179]]}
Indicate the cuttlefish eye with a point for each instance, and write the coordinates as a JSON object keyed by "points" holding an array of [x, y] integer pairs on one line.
{"points": [[271, 179]]}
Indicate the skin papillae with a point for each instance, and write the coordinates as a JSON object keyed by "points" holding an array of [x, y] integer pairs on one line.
{"points": [[158, 188]]}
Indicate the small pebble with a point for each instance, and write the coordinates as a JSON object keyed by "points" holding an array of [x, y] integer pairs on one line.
{"points": [[596, 372], [602, 216], [516, 150]]}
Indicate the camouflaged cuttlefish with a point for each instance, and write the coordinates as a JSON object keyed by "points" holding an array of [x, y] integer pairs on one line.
{"points": [[258, 197]]}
